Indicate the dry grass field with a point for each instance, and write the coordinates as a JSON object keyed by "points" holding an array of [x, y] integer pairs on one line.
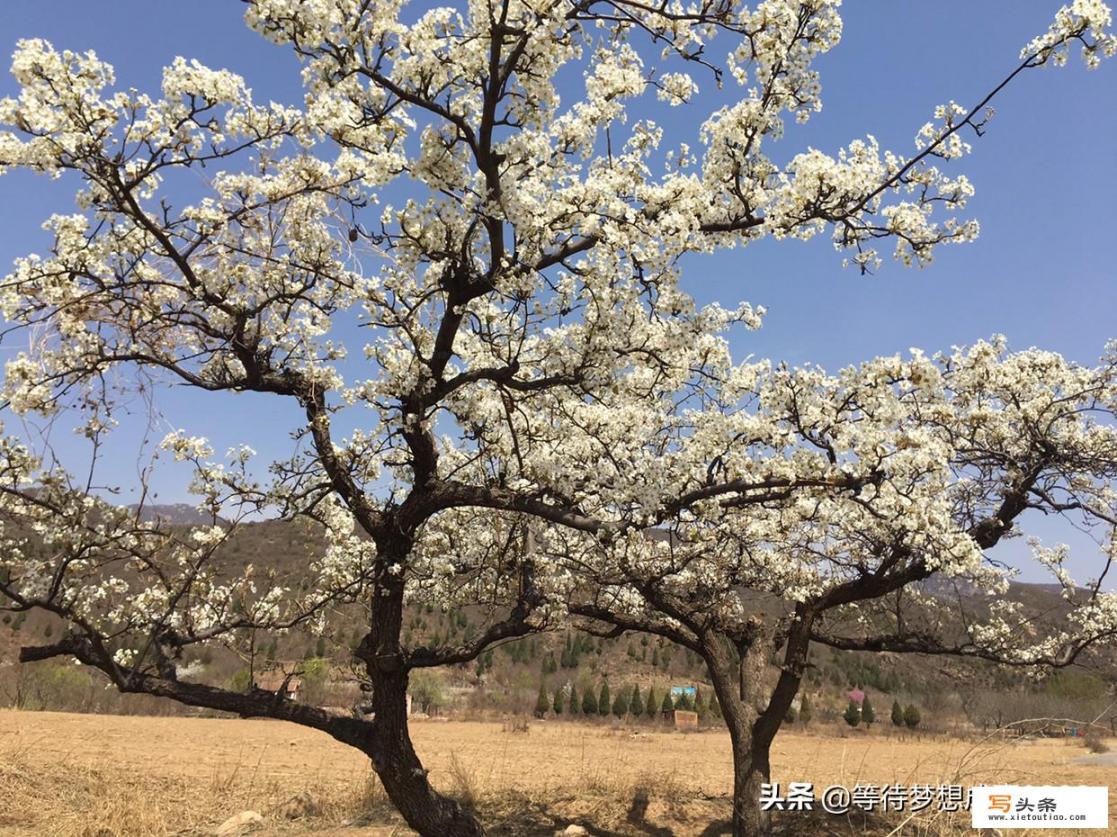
{"points": [[101, 776]]}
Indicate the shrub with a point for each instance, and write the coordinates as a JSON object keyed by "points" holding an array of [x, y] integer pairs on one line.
{"points": [[852, 714], [897, 714], [911, 716], [57, 686], [241, 680], [1094, 743], [790, 716], [805, 711]]}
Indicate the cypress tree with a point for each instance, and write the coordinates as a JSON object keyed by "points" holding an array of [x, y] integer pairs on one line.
{"points": [[667, 705], [541, 703], [805, 711], [852, 714], [912, 716], [589, 702], [604, 703], [575, 705], [635, 704], [867, 713], [620, 704], [897, 714], [557, 704], [651, 704]]}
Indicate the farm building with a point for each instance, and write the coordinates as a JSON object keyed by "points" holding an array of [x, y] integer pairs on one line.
{"points": [[278, 681]]}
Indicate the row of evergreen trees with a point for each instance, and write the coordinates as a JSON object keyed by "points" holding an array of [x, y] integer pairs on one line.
{"points": [[628, 701], [865, 714]]}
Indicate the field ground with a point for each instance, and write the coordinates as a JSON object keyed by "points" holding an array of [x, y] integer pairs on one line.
{"points": [[102, 776]]}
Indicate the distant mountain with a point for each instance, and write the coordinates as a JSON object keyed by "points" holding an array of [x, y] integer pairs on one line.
{"points": [[174, 514]]}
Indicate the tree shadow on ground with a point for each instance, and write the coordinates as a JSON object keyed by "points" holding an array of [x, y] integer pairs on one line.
{"points": [[520, 815], [813, 824]]}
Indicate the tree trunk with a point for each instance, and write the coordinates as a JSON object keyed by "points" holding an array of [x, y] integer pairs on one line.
{"points": [[405, 780], [737, 684], [752, 714], [750, 771], [393, 756]]}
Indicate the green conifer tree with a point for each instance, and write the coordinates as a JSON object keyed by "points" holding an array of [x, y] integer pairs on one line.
{"points": [[912, 716], [604, 702], [651, 703], [541, 702], [852, 714], [589, 702], [635, 704], [620, 704]]}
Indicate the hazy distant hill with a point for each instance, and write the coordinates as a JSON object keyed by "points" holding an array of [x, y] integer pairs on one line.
{"points": [[173, 514]]}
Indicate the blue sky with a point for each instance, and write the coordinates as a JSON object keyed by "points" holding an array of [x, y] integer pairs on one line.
{"points": [[1042, 271]]}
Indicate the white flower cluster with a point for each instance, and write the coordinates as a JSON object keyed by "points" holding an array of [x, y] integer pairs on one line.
{"points": [[530, 353]]}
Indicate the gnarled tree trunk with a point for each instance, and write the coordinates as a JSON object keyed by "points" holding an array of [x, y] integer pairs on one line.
{"points": [[393, 756], [753, 714], [405, 780]]}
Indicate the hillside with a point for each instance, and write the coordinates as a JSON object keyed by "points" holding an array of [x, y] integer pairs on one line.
{"points": [[508, 678]]}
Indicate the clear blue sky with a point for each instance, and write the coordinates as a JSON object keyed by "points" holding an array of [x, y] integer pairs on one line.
{"points": [[1042, 271]]}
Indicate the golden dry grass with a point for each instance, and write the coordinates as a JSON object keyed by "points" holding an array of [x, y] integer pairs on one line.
{"points": [[101, 776]]}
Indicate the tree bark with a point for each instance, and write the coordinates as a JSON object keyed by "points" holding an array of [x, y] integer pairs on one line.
{"points": [[752, 715], [750, 771], [394, 759], [402, 773]]}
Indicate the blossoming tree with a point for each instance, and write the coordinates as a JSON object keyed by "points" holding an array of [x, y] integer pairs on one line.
{"points": [[534, 385], [877, 496]]}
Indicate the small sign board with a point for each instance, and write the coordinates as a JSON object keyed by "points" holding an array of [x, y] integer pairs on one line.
{"points": [[685, 719], [678, 691]]}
